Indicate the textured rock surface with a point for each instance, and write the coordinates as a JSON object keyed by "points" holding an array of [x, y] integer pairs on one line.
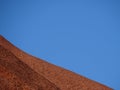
{"points": [[36, 74], [16, 75]]}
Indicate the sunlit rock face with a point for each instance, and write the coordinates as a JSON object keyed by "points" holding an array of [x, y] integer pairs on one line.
{"points": [[21, 71], [15, 74]]}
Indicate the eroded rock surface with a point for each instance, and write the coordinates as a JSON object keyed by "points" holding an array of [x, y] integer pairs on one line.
{"points": [[19, 69]]}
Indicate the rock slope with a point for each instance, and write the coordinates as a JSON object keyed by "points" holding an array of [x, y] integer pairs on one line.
{"points": [[26, 72]]}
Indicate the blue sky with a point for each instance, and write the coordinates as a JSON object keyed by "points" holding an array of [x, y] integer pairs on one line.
{"points": [[80, 35]]}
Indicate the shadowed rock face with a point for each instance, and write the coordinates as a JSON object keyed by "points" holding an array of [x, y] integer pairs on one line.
{"points": [[21, 71], [17, 75]]}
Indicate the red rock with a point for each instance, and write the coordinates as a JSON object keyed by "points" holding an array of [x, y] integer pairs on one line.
{"points": [[26, 72]]}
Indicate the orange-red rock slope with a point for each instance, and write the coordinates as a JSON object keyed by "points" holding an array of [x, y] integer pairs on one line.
{"points": [[25, 72]]}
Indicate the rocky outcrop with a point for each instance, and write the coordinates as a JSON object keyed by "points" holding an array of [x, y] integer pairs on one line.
{"points": [[16, 75], [25, 72]]}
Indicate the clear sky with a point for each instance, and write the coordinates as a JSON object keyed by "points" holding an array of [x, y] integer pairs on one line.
{"points": [[80, 35]]}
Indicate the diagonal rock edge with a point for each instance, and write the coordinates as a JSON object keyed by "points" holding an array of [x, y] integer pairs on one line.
{"points": [[16, 72], [62, 78]]}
